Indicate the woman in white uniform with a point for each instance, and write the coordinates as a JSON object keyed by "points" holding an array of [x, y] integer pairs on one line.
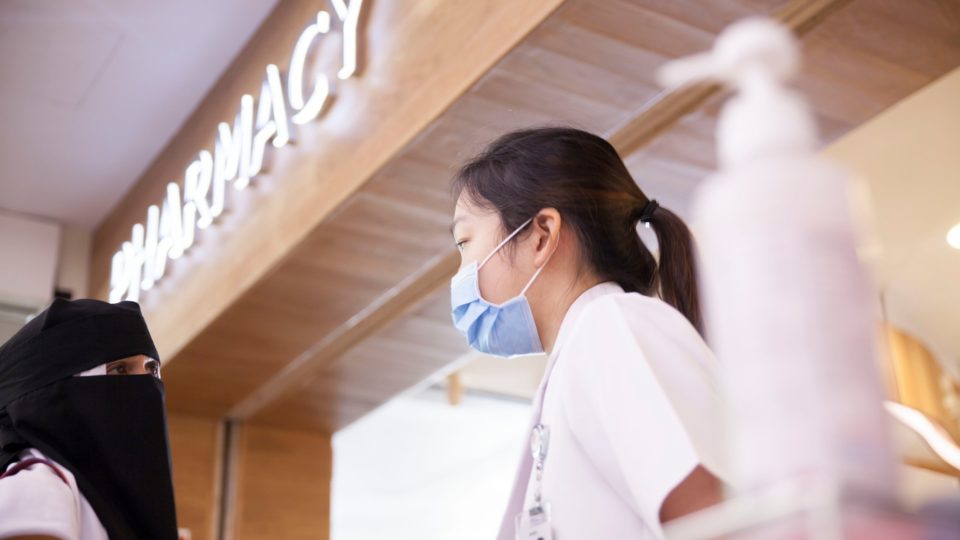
{"points": [[625, 428]]}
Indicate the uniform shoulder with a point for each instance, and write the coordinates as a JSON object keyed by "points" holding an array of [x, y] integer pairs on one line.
{"points": [[652, 328], [638, 311], [614, 318]]}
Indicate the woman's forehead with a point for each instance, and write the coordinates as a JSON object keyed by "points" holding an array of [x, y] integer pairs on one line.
{"points": [[464, 207], [467, 210]]}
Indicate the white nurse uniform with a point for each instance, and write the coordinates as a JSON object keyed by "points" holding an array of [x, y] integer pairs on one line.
{"points": [[632, 404]]}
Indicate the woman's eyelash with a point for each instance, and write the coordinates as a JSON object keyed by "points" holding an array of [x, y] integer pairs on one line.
{"points": [[460, 244]]}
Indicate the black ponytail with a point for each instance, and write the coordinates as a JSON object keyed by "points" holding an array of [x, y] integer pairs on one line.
{"points": [[677, 270]]}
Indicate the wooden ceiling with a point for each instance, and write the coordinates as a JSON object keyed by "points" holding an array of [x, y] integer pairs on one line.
{"points": [[358, 311]]}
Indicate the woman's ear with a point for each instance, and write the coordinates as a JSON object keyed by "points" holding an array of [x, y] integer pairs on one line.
{"points": [[546, 232]]}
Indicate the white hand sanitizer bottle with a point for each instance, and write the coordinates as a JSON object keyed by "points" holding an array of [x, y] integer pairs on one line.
{"points": [[789, 307]]}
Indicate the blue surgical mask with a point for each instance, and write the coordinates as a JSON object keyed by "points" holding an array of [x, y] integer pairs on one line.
{"points": [[505, 330]]}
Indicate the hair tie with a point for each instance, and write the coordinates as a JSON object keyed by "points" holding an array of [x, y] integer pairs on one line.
{"points": [[646, 214]]}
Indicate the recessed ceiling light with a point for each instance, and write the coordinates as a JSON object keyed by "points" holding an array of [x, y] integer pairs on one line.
{"points": [[953, 237]]}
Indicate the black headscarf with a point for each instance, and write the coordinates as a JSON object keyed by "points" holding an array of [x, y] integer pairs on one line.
{"points": [[109, 431]]}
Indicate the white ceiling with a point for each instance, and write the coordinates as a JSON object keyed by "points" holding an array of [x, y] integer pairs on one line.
{"points": [[92, 90]]}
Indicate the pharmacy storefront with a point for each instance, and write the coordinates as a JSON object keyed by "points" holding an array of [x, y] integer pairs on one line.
{"points": [[290, 246]]}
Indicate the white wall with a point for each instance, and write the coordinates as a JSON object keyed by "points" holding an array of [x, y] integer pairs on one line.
{"points": [[909, 157], [418, 468], [38, 256], [28, 260]]}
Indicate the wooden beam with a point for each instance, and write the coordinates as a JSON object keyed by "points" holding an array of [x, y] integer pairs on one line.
{"points": [[802, 16], [660, 114], [398, 300]]}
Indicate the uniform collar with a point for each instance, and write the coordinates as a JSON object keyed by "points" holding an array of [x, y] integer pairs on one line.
{"points": [[517, 495], [576, 309]]}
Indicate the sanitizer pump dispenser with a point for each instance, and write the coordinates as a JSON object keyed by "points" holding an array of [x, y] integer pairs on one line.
{"points": [[789, 307]]}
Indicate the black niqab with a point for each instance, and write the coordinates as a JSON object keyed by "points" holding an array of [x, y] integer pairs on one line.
{"points": [[109, 431]]}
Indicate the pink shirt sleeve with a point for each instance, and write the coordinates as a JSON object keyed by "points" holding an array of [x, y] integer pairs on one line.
{"points": [[37, 501]]}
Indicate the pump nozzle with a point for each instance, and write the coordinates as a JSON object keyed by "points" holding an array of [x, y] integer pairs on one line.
{"points": [[755, 57], [742, 49]]}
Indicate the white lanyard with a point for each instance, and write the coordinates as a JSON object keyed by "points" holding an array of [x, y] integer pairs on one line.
{"points": [[539, 442]]}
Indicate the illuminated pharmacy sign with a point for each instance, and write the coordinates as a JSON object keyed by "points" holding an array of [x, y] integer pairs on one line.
{"points": [[237, 157]]}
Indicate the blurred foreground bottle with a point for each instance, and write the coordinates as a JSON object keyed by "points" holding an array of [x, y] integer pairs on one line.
{"points": [[789, 307]]}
